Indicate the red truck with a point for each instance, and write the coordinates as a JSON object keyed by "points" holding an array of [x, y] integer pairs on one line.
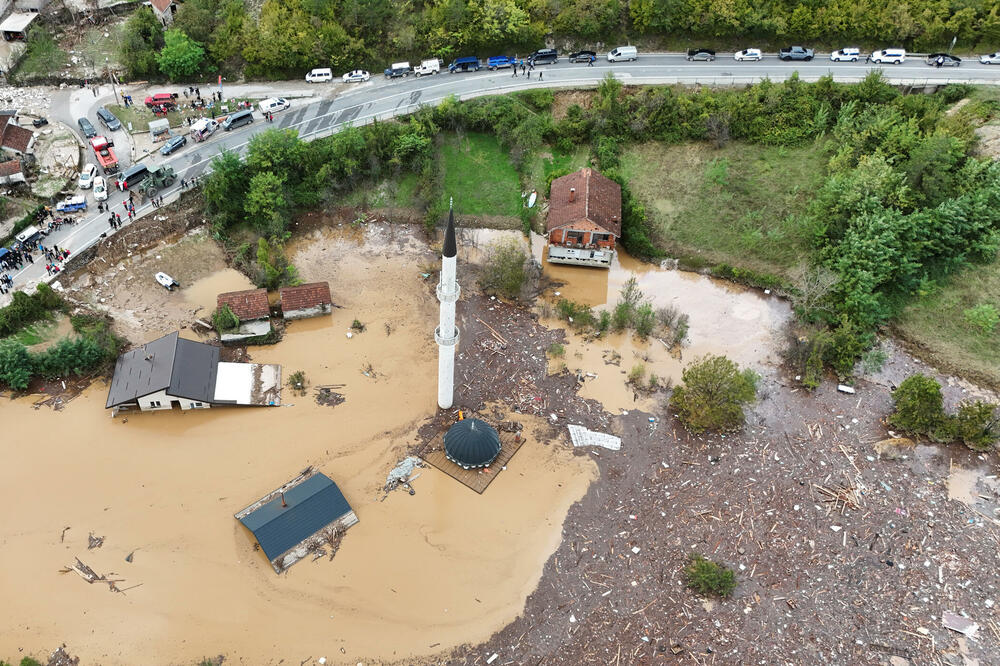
{"points": [[105, 156]]}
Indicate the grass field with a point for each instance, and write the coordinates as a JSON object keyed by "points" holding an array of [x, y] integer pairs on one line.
{"points": [[550, 160], [390, 193], [140, 116], [741, 204], [479, 174], [937, 323]]}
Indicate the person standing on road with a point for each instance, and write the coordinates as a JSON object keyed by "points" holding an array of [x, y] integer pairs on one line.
{"points": [[539, 75], [529, 75], [515, 72], [590, 63]]}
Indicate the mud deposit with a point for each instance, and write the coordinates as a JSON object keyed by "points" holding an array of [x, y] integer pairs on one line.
{"points": [[418, 574]]}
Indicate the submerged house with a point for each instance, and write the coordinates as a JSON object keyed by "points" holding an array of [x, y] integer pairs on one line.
{"points": [[306, 300], [303, 514], [172, 372], [251, 308], [584, 220]]}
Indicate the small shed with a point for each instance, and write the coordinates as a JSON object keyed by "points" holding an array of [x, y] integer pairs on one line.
{"points": [[251, 308], [15, 27], [306, 300], [472, 443], [164, 10], [11, 172], [159, 128], [307, 512]]}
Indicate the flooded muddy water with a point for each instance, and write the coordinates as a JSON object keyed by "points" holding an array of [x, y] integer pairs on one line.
{"points": [[203, 293], [726, 319], [417, 575]]}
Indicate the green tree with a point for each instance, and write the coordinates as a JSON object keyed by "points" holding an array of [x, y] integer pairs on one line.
{"points": [[503, 271], [706, 577], [181, 57], [16, 365], [976, 424], [225, 190], [712, 394], [919, 405], [142, 37], [266, 205], [198, 19], [272, 264]]}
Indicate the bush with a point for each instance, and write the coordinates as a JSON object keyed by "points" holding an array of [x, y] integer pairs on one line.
{"points": [[976, 425], [706, 577], [225, 319], [297, 382], [577, 314], [644, 320], [358, 326], [636, 374], [504, 271], [983, 318], [712, 393], [919, 405], [16, 365], [25, 309], [556, 350], [680, 331], [847, 343]]}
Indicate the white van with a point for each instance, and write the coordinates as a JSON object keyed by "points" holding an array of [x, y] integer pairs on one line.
{"points": [[273, 104], [204, 128], [321, 75], [895, 56], [428, 67], [623, 53]]}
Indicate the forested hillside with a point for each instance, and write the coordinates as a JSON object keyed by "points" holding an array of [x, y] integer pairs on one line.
{"points": [[281, 37]]}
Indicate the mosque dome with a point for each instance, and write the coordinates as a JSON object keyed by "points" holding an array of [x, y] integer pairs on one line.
{"points": [[471, 443]]}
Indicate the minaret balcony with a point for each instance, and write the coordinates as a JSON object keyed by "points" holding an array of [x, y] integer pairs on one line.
{"points": [[445, 342]]}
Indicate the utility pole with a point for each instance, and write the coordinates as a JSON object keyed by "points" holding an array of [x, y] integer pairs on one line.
{"points": [[111, 77]]}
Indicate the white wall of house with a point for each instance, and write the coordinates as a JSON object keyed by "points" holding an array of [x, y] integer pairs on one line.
{"points": [[247, 329], [162, 400], [302, 313]]}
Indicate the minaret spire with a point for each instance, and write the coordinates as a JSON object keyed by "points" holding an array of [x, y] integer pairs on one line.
{"points": [[446, 334]]}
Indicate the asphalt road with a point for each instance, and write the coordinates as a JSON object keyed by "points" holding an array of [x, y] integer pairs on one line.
{"points": [[381, 99]]}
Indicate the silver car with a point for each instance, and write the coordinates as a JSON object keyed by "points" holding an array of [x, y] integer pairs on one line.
{"points": [[991, 59]]}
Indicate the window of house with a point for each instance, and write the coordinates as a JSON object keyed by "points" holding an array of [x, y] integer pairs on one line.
{"points": [[599, 238], [154, 403], [574, 236]]}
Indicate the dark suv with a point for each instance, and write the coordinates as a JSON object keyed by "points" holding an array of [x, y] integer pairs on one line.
{"points": [[544, 57], [86, 127], [108, 119], [583, 56]]}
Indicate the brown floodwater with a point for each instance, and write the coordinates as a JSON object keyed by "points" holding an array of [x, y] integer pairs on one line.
{"points": [[202, 293], [438, 568], [742, 324]]}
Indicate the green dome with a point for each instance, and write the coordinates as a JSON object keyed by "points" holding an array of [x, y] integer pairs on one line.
{"points": [[471, 443]]}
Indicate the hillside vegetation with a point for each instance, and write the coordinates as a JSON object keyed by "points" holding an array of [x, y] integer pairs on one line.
{"points": [[289, 37]]}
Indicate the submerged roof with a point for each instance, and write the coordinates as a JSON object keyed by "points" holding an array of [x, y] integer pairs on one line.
{"points": [[595, 198], [183, 368], [309, 507], [305, 296], [248, 305], [471, 443]]}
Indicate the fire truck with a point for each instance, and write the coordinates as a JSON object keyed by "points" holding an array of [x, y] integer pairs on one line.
{"points": [[105, 155]]}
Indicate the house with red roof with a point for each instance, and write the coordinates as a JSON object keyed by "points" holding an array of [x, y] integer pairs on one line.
{"points": [[584, 219], [306, 300], [252, 309]]}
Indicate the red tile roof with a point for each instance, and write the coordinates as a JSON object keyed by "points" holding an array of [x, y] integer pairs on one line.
{"points": [[305, 296], [161, 5], [247, 305], [16, 138], [597, 199], [10, 167]]}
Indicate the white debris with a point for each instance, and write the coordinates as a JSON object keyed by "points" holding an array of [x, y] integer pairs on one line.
{"points": [[635, 549], [572, 618], [402, 471], [962, 625], [836, 528], [493, 658], [583, 437], [844, 388]]}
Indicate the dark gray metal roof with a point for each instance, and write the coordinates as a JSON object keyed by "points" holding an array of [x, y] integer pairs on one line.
{"points": [[471, 443], [183, 368], [450, 248], [311, 506]]}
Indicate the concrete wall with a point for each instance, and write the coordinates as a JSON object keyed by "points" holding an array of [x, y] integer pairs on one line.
{"points": [[580, 257], [302, 313], [247, 329], [161, 400]]}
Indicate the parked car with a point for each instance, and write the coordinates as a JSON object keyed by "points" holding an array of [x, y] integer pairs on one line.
{"points": [[356, 76], [943, 60], [272, 104], [161, 99], [86, 179], [544, 57], [623, 53], [238, 119], [397, 70], [583, 56], [320, 75], [87, 129], [500, 62], [109, 120], [748, 54], [432, 66], [100, 189], [38, 122], [465, 64], [701, 54], [796, 53], [173, 144], [847, 54], [991, 59], [894, 56]]}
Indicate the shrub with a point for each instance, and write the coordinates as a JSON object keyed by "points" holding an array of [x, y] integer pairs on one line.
{"points": [[605, 321], [357, 326], [16, 365], [504, 271], [976, 424], [706, 577], [577, 314], [680, 331], [919, 405], [636, 374], [644, 320], [297, 382], [712, 393], [873, 360], [667, 315], [983, 318], [225, 319], [847, 343], [556, 350]]}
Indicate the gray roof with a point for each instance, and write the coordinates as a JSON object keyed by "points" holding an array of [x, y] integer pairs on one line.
{"points": [[17, 22], [311, 506], [184, 368]]}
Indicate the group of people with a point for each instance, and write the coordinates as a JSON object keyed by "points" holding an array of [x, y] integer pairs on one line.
{"points": [[526, 69], [6, 283], [15, 258], [157, 201], [190, 182]]}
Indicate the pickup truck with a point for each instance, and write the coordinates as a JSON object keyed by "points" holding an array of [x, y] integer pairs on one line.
{"points": [[500, 62], [795, 53], [427, 67], [105, 156], [397, 69], [72, 204]]}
